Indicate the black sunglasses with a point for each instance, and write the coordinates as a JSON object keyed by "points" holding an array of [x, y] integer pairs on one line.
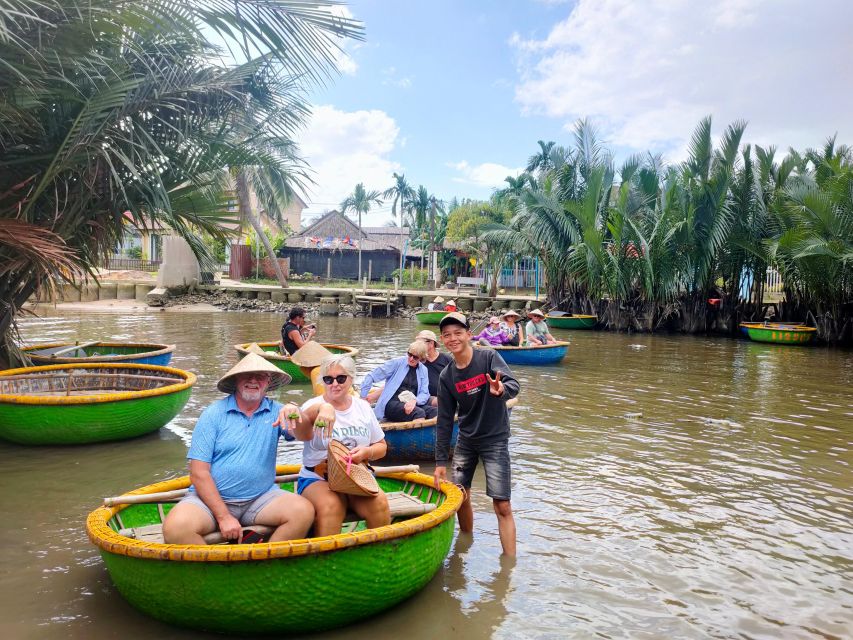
{"points": [[412, 355], [340, 379]]}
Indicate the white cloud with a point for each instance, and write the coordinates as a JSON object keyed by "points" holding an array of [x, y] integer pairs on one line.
{"points": [[345, 148], [393, 79], [489, 174], [646, 72]]}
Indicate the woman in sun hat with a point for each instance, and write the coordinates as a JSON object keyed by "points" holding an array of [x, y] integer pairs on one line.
{"points": [[513, 331], [537, 329], [435, 362], [436, 305], [337, 415], [450, 306], [492, 335]]}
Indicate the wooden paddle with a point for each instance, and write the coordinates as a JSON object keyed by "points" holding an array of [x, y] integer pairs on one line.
{"points": [[72, 348], [177, 494]]}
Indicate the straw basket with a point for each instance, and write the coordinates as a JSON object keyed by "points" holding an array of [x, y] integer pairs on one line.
{"points": [[350, 478]]}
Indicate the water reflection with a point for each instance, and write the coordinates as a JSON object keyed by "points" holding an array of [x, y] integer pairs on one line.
{"points": [[663, 487]]}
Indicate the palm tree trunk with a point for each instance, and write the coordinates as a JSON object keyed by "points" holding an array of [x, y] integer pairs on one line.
{"points": [[359, 246], [246, 209], [432, 242]]}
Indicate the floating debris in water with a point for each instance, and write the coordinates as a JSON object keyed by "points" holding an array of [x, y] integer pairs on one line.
{"points": [[637, 347], [634, 415], [722, 423]]}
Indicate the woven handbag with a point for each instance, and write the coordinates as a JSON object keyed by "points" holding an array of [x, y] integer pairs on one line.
{"points": [[346, 476]]}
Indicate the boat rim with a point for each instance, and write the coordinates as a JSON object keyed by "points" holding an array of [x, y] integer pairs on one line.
{"points": [[161, 349], [427, 422], [243, 348], [105, 538], [580, 316], [505, 347], [778, 326], [189, 379]]}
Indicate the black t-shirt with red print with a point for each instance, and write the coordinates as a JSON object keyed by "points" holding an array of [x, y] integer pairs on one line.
{"points": [[483, 417]]}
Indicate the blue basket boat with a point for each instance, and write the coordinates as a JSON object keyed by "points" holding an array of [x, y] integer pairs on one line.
{"points": [[415, 440], [100, 352], [535, 355]]}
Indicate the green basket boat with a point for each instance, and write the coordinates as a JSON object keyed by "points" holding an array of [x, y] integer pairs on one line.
{"points": [[779, 332], [105, 352], [287, 587], [570, 321], [299, 374], [430, 317], [83, 403]]}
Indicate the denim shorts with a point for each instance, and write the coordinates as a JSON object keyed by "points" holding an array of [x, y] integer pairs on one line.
{"points": [[244, 510], [495, 457]]}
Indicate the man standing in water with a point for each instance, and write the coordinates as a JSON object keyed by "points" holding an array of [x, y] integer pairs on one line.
{"points": [[476, 385]]}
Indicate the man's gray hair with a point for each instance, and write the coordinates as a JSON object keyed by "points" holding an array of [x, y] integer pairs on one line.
{"points": [[341, 360]]}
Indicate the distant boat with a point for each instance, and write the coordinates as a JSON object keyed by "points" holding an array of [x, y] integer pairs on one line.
{"points": [[533, 355], [83, 403], [571, 321], [281, 588], [283, 362], [778, 332], [430, 317], [107, 352]]}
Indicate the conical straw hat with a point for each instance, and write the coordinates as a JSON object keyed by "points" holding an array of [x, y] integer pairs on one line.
{"points": [[354, 479], [252, 363], [310, 354], [256, 348]]}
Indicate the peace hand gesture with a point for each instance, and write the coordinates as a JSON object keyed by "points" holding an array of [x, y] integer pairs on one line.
{"points": [[496, 387]]}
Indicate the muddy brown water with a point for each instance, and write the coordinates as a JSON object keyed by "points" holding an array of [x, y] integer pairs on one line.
{"points": [[664, 487]]}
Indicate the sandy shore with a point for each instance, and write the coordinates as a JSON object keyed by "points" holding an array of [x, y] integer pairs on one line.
{"points": [[117, 306]]}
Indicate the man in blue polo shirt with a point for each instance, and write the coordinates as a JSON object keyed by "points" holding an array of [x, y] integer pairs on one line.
{"points": [[232, 464]]}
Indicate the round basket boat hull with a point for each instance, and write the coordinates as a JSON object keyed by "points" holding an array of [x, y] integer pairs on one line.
{"points": [[781, 334], [278, 588], [551, 354], [298, 374], [414, 443], [83, 424], [104, 352], [430, 317], [288, 595], [571, 322], [98, 417]]}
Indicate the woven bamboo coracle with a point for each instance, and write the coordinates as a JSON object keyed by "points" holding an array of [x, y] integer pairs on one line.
{"points": [[358, 482]]}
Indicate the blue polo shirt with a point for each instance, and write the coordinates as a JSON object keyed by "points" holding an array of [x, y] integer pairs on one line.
{"points": [[240, 449]]}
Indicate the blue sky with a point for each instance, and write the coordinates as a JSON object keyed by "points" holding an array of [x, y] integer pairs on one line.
{"points": [[456, 94]]}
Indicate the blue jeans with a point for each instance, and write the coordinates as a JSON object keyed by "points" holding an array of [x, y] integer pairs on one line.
{"points": [[495, 457]]}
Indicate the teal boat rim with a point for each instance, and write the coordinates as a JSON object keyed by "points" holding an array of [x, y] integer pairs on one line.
{"points": [[187, 380], [243, 348], [157, 349], [570, 316], [532, 347], [110, 541]]}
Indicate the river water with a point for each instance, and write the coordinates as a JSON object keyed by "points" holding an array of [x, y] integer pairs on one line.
{"points": [[664, 487]]}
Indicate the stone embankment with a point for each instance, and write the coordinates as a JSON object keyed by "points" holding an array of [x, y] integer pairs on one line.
{"points": [[230, 301]]}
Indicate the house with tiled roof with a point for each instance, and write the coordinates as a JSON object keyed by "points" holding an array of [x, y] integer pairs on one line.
{"points": [[330, 246]]}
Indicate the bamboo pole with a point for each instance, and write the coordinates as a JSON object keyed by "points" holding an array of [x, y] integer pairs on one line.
{"points": [[177, 494], [72, 348]]}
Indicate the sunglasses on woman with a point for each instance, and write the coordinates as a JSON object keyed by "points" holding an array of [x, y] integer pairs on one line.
{"points": [[340, 379], [414, 357]]}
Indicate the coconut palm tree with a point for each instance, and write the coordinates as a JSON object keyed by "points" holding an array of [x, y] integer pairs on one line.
{"points": [[541, 161], [105, 111], [360, 201], [401, 192]]}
